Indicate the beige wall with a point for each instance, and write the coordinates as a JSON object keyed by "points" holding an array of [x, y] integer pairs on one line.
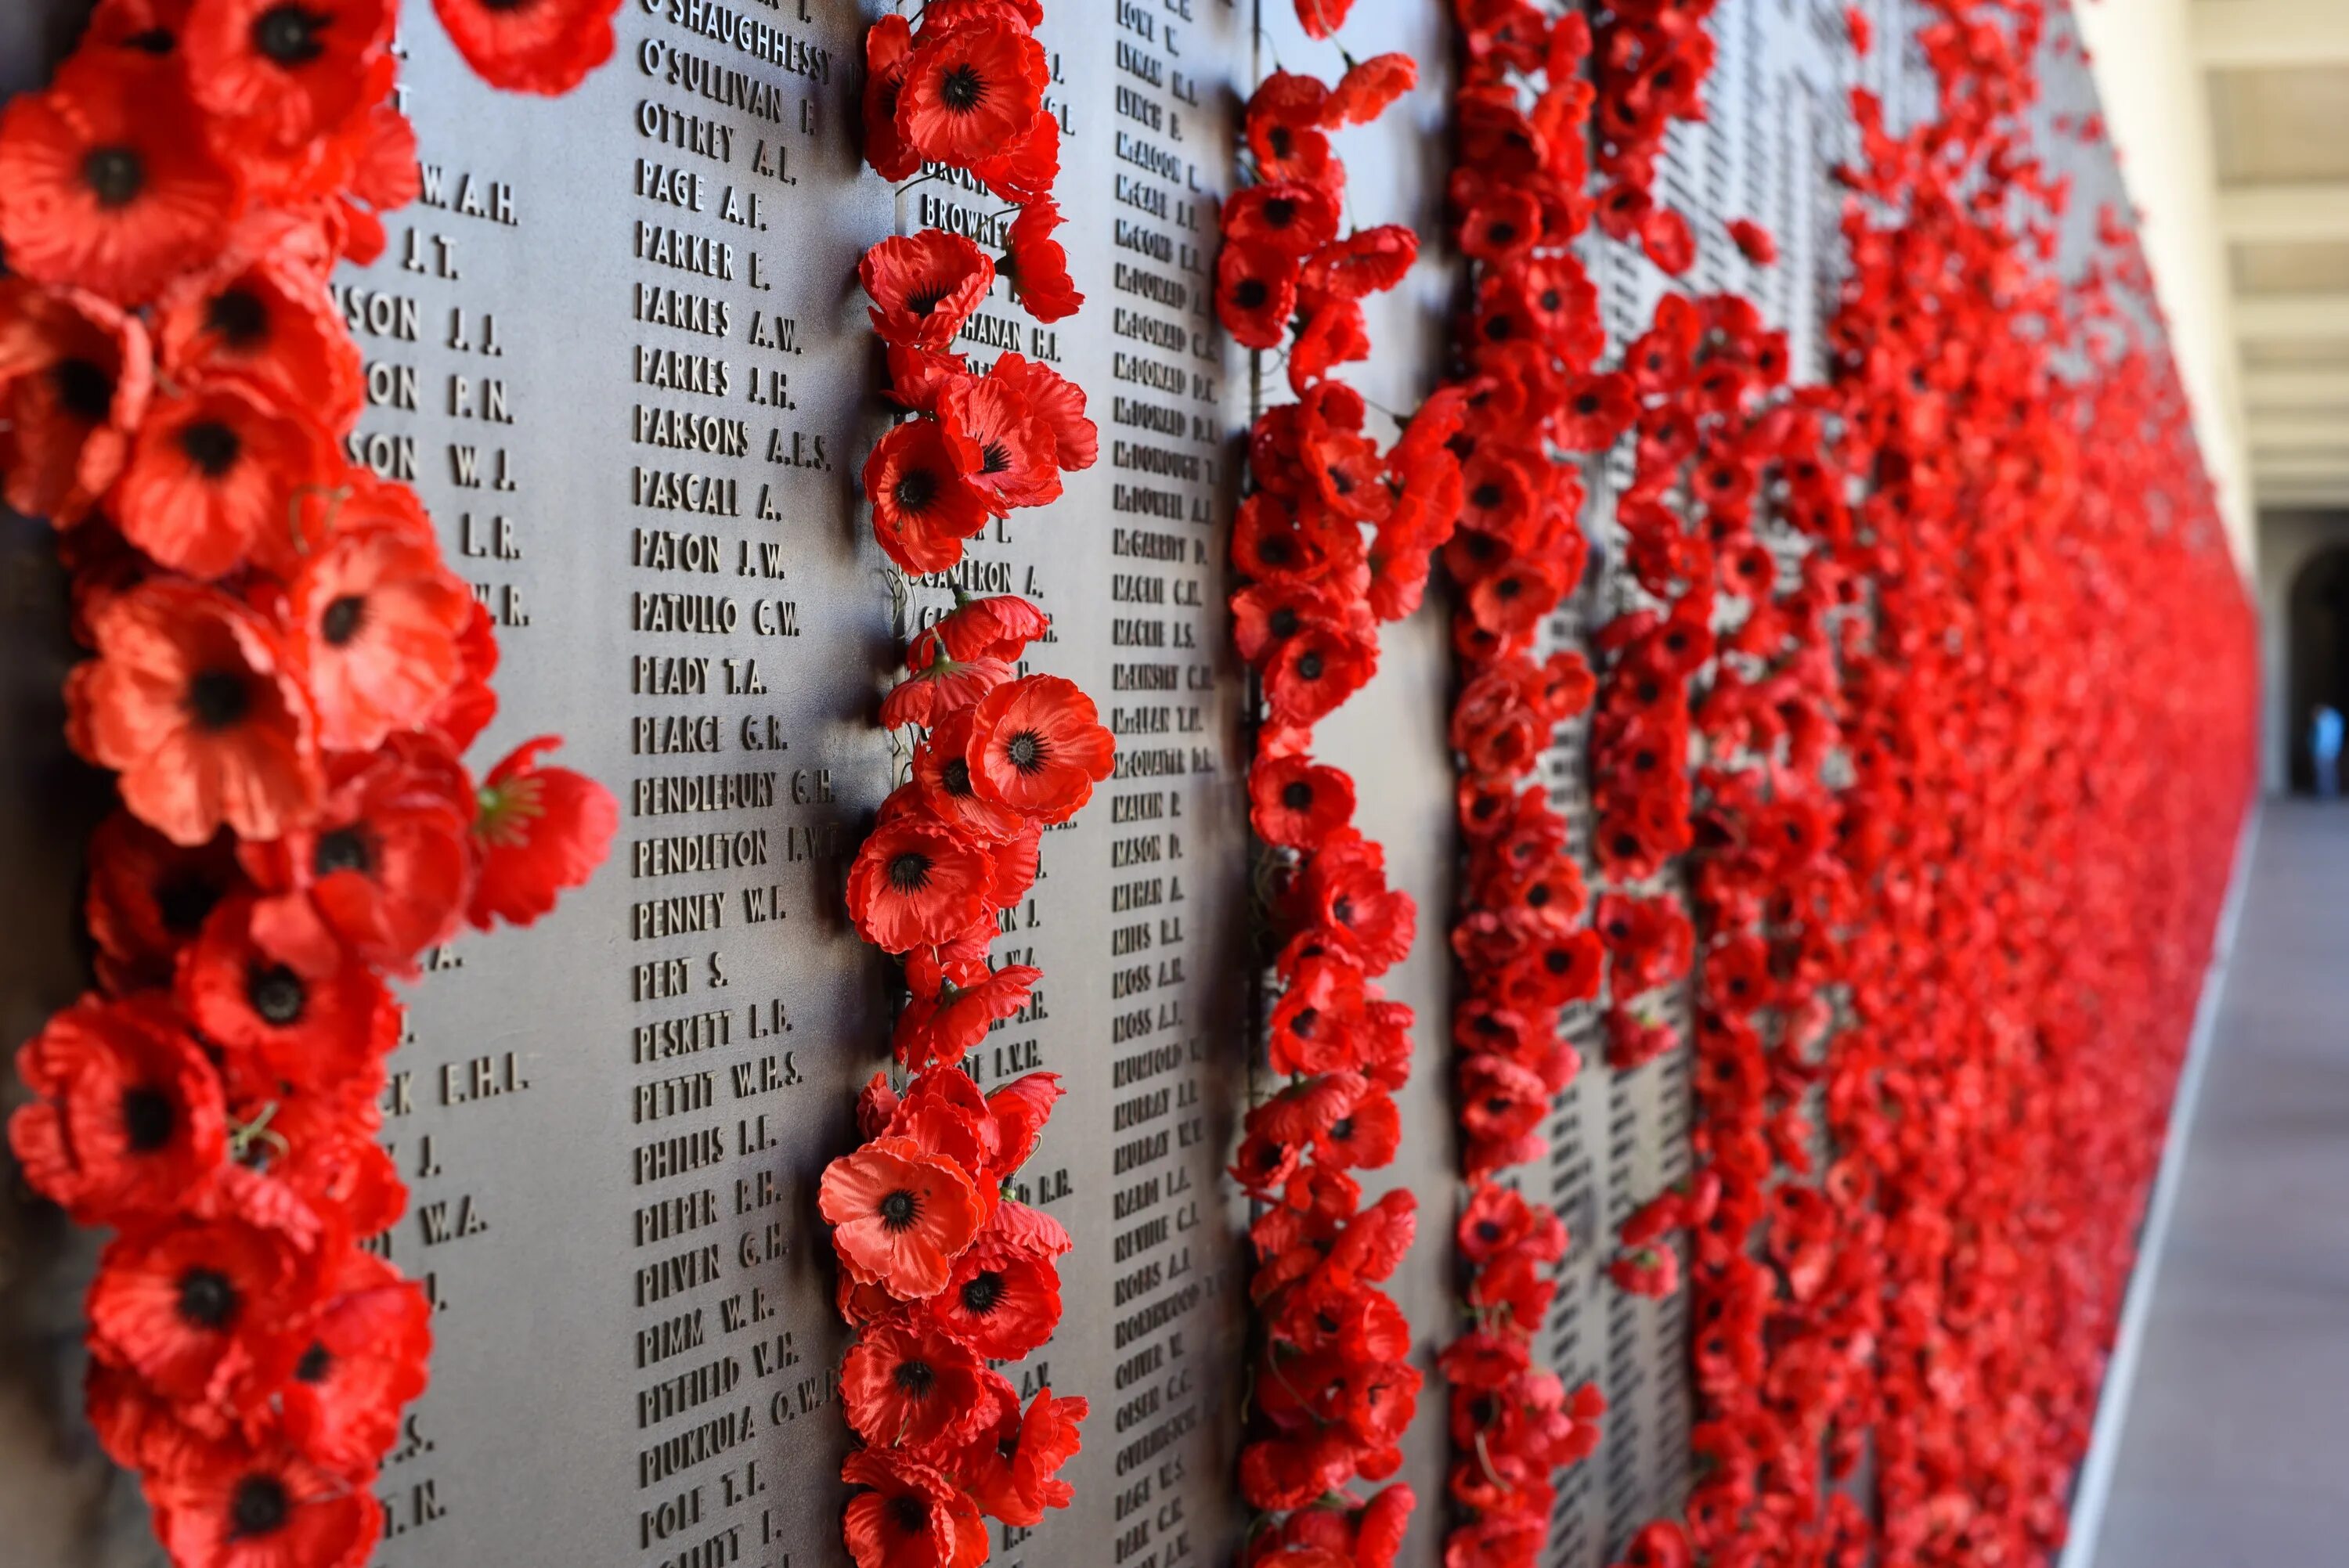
{"points": [[2158, 110]]}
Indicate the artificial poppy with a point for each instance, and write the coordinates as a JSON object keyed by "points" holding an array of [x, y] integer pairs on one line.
{"points": [[1256, 293], [1288, 218], [1297, 802], [912, 1515], [202, 1308], [530, 45], [1754, 242], [318, 1032], [1366, 90], [228, 1504], [1003, 1301], [888, 49], [908, 1384], [128, 1116], [922, 508], [1059, 402], [190, 701], [537, 830], [1037, 746], [108, 181], [997, 627], [147, 897], [285, 73], [381, 871], [901, 1215], [916, 880], [339, 1405], [76, 374], [940, 1029], [970, 91], [262, 315], [924, 286], [377, 626], [1012, 1466], [1037, 265], [214, 475], [1004, 450]]}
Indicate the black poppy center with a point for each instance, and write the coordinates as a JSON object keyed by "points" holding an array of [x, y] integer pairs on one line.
{"points": [[84, 389], [928, 299], [898, 1210], [909, 872], [1488, 1231], [1281, 212], [158, 41], [1305, 1021], [147, 1118], [916, 489], [1298, 795], [994, 458], [982, 1290], [277, 994], [1342, 1130], [1509, 587], [1309, 667], [1503, 233], [916, 1379], [1558, 961], [212, 446], [962, 89], [257, 1507], [909, 1514], [1026, 750], [1486, 496], [219, 698], [956, 776], [341, 850], [1537, 895], [1550, 299], [238, 316], [341, 622], [1283, 622], [289, 34], [1249, 294], [115, 175], [207, 1299], [315, 1363], [1282, 141]]}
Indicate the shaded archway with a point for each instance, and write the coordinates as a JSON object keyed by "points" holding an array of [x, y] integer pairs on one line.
{"points": [[2319, 611]]}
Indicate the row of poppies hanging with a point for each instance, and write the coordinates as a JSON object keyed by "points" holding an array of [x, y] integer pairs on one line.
{"points": [[942, 1270], [282, 677], [1922, 735]]}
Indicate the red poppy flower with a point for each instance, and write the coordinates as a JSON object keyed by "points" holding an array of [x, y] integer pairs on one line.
{"points": [[1283, 117], [1037, 746], [283, 73], [76, 376], [1344, 892], [1288, 218], [924, 286], [202, 1309], [1651, 1271], [1038, 266], [381, 871], [537, 830], [1322, 18], [916, 880], [914, 1516], [148, 898], [530, 45], [970, 92], [922, 508], [128, 1117], [1256, 293], [901, 1215], [999, 627], [264, 316], [1297, 803], [189, 701], [340, 1404], [1003, 1301], [377, 622], [1314, 671], [214, 475], [1366, 90], [108, 181], [888, 49], [908, 1385], [230, 1505], [1660, 1543], [1002, 448], [323, 1032], [1754, 242], [939, 1030], [1059, 402], [321, 1149], [1012, 1467]]}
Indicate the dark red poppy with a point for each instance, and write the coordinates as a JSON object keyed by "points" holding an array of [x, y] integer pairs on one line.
{"points": [[148, 898], [1256, 293], [76, 376], [261, 316], [911, 1516]]}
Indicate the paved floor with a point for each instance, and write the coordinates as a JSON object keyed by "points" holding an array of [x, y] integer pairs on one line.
{"points": [[2235, 1452]]}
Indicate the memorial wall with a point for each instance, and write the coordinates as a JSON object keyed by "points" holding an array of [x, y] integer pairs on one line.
{"points": [[618, 349]]}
